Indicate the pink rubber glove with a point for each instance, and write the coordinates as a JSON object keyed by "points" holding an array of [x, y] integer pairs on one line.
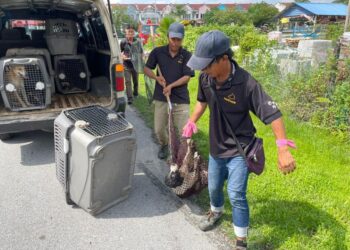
{"points": [[189, 129]]}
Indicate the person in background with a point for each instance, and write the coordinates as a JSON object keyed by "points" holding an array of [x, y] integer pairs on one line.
{"points": [[223, 83], [131, 48], [171, 81]]}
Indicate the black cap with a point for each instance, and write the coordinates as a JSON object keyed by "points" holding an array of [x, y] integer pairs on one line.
{"points": [[209, 45]]}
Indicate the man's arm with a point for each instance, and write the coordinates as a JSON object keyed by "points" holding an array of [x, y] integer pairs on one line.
{"points": [[286, 162], [199, 110], [160, 79], [182, 81]]}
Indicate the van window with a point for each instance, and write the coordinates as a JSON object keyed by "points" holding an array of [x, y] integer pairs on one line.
{"points": [[89, 34], [28, 25], [100, 33]]}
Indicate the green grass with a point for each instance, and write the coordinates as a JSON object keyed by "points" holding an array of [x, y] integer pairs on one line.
{"points": [[309, 209]]}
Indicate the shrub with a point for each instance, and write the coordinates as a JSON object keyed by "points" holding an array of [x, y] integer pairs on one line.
{"points": [[262, 13], [226, 17], [235, 33], [334, 31]]}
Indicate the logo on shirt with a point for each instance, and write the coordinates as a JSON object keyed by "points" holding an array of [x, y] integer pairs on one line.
{"points": [[230, 99], [272, 104], [180, 60]]}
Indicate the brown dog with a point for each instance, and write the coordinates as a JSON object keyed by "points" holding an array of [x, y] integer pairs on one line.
{"points": [[15, 75]]}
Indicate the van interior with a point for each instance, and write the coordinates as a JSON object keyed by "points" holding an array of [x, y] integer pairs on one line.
{"points": [[69, 38]]}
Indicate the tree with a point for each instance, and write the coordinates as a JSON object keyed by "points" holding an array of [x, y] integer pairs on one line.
{"points": [[226, 17], [162, 33], [262, 13], [179, 12], [342, 1], [120, 19]]}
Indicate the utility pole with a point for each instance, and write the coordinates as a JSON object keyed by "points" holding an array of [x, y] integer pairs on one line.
{"points": [[347, 19]]}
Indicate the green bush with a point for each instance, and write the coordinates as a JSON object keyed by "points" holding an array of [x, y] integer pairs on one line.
{"points": [[262, 13], [313, 96], [226, 17], [249, 43], [235, 33], [334, 31]]}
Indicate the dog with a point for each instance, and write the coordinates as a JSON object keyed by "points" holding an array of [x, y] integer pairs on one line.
{"points": [[16, 75]]}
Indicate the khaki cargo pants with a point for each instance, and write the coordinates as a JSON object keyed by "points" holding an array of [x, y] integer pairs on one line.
{"points": [[180, 116]]}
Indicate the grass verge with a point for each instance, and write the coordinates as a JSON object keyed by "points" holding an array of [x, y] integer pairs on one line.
{"points": [[309, 209]]}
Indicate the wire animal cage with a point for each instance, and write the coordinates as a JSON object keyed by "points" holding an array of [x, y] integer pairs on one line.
{"points": [[72, 74], [95, 150], [25, 83]]}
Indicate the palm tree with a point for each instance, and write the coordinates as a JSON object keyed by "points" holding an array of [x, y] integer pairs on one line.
{"points": [[179, 11], [163, 30]]}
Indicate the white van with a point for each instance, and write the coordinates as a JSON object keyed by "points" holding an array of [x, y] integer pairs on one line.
{"points": [[56, 55]]}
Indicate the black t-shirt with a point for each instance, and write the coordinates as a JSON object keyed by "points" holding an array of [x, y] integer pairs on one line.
{"points": [[172, 68], [240, 94]]}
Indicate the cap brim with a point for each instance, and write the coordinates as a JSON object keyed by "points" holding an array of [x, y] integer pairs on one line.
{"points": [[176, 35], [198, 63]]}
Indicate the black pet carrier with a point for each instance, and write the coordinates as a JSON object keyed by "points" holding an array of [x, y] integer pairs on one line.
{"points": [[72, 74]]}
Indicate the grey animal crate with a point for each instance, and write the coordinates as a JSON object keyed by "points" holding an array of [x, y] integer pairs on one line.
{"points": [[24, 83], [22, 52], [95, 151], [61, 36], [72, 74]]}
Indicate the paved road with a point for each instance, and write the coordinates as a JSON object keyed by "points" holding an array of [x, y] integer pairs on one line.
{"points": [[33, 213]]}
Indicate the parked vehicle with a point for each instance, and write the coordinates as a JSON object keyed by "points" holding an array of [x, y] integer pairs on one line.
{"points": [[56, 55]]}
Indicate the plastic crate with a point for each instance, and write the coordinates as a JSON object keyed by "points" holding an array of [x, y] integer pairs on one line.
{"points": [[24, 83], [22, 52], [95, 152], [61, 36], [72, 74]]}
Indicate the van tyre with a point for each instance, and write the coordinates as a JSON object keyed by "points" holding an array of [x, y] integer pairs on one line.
{"points": [[5, 137]]}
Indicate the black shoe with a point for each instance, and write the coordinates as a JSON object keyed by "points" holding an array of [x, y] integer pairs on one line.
{"points": [[129, 102], [241, 245], [163, 152], [135, 95]]}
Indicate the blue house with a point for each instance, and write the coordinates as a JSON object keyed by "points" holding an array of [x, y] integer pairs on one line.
{"points": [[303, 17], [315, 10]]}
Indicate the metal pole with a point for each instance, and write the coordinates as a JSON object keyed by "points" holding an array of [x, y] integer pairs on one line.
{"points": [[347, 19]]}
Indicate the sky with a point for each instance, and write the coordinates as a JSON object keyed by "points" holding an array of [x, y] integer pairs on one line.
{"points": [[207, 1]]}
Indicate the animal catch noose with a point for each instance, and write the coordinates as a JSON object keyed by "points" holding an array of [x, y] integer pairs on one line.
{"points": [[188, 172]]}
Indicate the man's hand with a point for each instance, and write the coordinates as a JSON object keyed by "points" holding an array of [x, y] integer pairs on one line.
{"points": [[125, 58], [189, 129], [161, 81], [286, 162], [167, 90]]}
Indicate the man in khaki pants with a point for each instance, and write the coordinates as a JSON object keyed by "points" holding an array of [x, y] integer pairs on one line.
{"points": [[131, 49], [175, 75]]}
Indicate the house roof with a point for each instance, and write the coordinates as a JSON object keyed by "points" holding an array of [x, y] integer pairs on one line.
{"points": [[315, 9], [160, 7]]}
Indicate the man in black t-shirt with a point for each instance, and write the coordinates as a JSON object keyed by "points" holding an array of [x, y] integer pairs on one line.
{"points": [[175, 74], [238, 94]]}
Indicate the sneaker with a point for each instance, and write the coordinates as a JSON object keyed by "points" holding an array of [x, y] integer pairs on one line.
{"points": [[130, 101], [241, 245], [163, 152], [135, 95], [209, 221]]}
